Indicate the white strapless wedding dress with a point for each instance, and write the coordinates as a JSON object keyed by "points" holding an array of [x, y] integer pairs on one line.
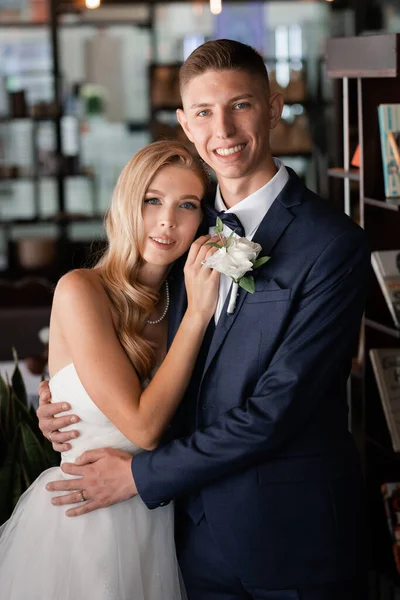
{"points": [[124, 552]]}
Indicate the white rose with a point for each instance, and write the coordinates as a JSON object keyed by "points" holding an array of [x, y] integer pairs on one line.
{"points": [[244, 247], [234, 261]]}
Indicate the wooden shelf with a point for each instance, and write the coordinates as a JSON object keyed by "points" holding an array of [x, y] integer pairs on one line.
{"points": [[33, 176], [146, 24], [387, 205], [24, 24], [383, 328], [29, 118], [133, 126], [101, 23], [339, 173], [157, 109], [55, 220]]}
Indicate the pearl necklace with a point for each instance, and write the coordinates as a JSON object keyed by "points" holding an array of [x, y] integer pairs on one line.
{"points": [[166, 307]]}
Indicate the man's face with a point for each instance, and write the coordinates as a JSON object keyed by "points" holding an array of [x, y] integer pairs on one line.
{"points": [[228, 116]]}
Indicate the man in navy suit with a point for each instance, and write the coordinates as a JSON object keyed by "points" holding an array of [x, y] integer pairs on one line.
{"points": [[265, 474]]}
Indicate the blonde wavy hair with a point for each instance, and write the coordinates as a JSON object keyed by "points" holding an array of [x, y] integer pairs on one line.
{"points": [[132, 302]]}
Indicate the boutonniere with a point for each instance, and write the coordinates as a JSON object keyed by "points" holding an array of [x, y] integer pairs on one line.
{"points": [[235, 257]]}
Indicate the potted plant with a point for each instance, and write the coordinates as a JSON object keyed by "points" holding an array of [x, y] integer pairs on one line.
{"points": [[24, 451]]}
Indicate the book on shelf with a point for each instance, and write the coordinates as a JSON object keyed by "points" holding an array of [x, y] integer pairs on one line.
{"points": [[386, 366], [355, 161], [386, 264], [389, 128], [391, 500]]}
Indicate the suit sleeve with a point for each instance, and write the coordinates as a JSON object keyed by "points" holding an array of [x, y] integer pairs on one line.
{"points": [[322, 331]]}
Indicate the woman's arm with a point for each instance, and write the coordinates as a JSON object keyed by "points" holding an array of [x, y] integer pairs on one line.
{"points": [[82, 313]]}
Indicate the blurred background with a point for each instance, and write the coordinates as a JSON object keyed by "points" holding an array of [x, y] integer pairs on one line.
{"points": [[84, 84], [81, 89]]}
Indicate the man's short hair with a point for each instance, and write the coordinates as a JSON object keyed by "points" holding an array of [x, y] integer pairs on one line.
{"points": [[220, 55]]}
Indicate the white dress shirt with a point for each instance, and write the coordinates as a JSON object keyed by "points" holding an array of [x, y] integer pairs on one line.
{"points": [[250, 211]]}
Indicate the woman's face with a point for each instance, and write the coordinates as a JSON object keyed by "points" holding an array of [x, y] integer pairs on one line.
{"points": [[171, 214]]}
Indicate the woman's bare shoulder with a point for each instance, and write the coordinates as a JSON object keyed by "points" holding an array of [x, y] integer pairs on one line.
{"points": [[81, 285]]}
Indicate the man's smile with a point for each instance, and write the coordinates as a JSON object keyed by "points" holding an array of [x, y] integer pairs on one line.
{"points": [[230, 151]]}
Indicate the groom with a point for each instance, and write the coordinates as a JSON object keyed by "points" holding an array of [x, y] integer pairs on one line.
{"points": [[265, 474]]}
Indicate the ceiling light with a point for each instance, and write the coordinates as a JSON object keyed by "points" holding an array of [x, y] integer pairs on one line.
{"points": [[216, 6], [92, 3]]}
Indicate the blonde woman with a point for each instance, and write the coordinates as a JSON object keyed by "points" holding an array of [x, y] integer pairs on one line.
{"points": [[108, 338]]}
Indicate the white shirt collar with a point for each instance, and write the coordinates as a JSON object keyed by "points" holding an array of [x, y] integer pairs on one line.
{"points": [[252, 210]]}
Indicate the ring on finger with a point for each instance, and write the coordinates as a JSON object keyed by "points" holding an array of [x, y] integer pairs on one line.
{"points": [[81, 497], [49, 436]]}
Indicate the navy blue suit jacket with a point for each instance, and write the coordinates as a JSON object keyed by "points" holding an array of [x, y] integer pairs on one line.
{"points": [[271, 455]]}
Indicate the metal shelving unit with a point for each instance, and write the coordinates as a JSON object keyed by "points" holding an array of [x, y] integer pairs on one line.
{"points": [[374, 63]]}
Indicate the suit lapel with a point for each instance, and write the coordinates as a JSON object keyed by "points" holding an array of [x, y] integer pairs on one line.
{"points": [[267, 235]]}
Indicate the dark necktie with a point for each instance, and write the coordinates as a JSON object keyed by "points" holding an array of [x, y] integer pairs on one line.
{"points": [[229, 219]]}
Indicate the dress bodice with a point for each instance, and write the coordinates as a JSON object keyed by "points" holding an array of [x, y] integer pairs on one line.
{"points": [[95, 429]]}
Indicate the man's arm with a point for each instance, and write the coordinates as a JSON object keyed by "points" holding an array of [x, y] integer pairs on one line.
{"points": [[49, 423], [320, 334], [322, 331]]}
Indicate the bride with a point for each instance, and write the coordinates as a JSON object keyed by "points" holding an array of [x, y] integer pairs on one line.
{"points": [[108, 360]]}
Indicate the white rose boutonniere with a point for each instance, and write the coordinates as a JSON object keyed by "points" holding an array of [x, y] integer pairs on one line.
{"points": [[236, 256]]}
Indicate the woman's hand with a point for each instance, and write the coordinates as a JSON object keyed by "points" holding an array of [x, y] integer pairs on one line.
{"points": [[201, 282]]}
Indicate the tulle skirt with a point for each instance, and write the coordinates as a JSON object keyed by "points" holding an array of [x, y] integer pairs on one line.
{"points": [[124, 552]]}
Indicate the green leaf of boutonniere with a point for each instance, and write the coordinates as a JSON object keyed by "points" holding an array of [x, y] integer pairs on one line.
{"points": [[214, 244], [229, 240], [219, 226], [247, 283], [260, 261]]}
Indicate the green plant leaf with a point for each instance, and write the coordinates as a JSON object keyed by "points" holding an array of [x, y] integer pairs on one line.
{"points": [[25, 477], [16, 485], [7, 477], [260, 261], [51, 456], [34, 457], [34, 424], [247, 283], [18, 383], [22, 411], [4, 402], [12, 421], [15, 354], [24, 452], [3, 445], [219, 226], [5, 486]]}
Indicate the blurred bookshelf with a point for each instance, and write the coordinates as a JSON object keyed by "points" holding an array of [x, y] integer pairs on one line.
{"points": [[60, 154], [366, 70]]}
